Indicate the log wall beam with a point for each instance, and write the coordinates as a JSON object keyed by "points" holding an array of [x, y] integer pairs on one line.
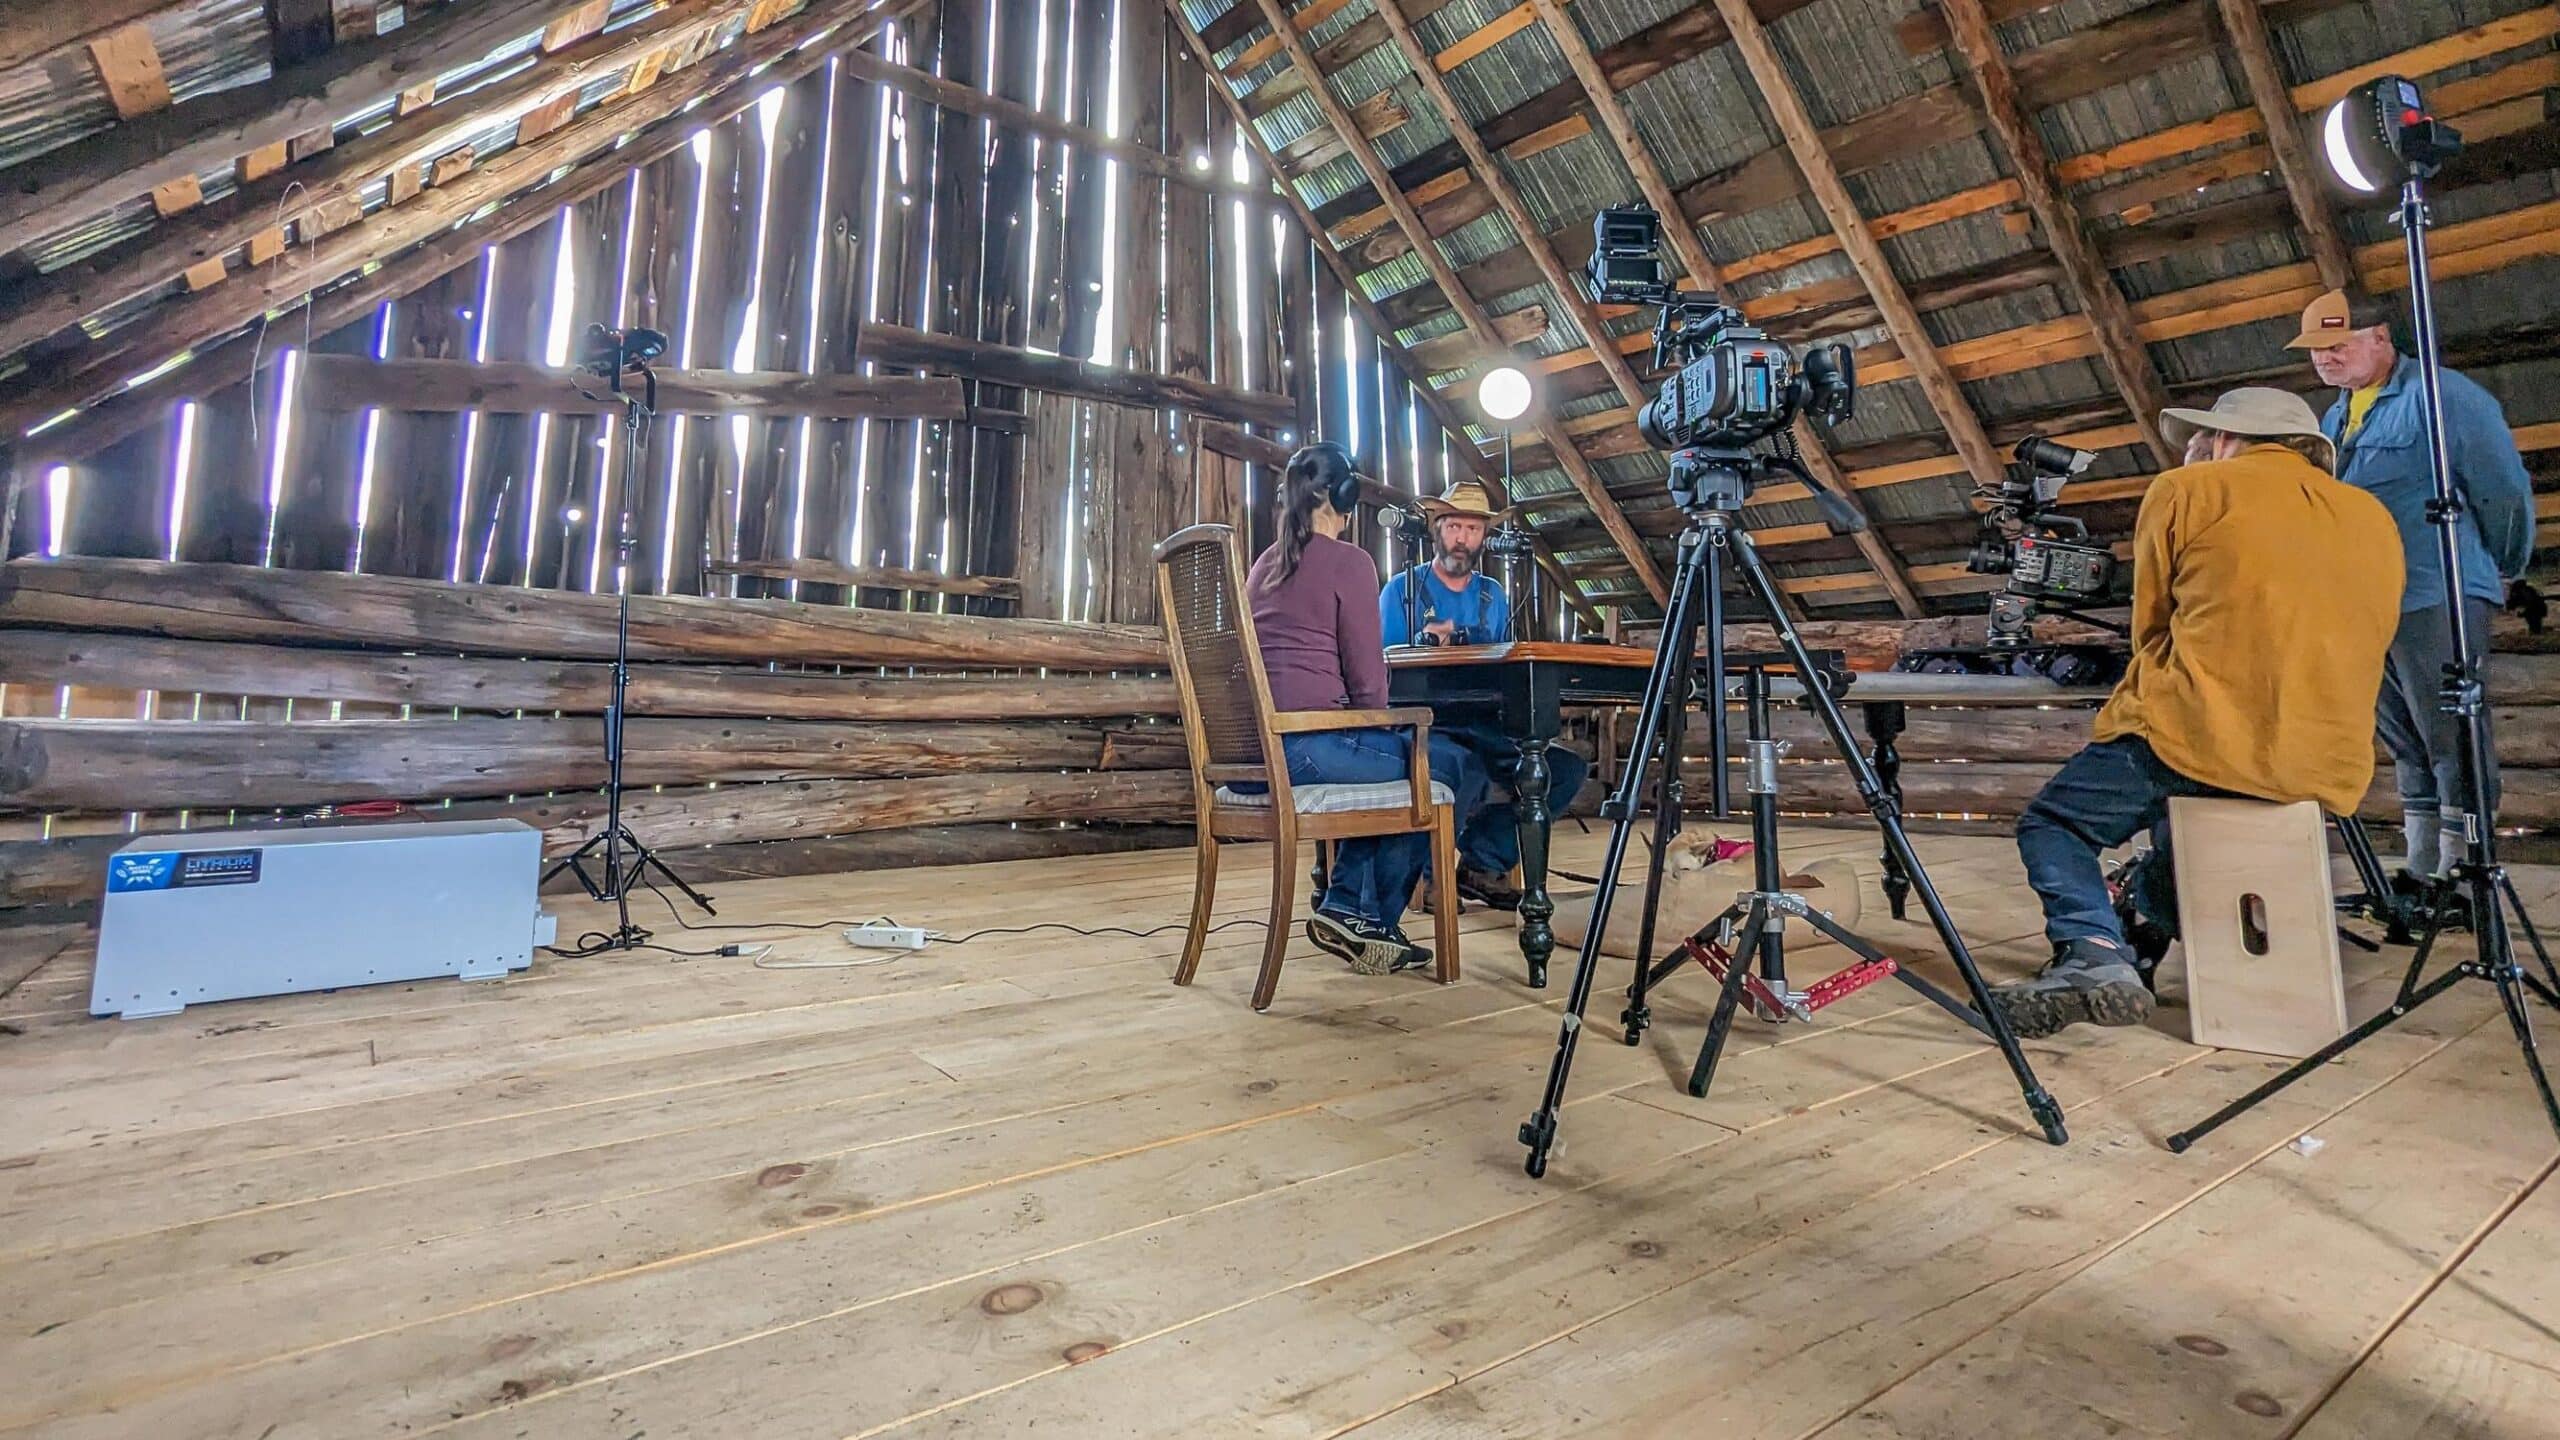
{"points": [[2120, 349], [902, 348], [1576, 468], [1777, 89], [242, 602], [444, 387], [2244, 25]]}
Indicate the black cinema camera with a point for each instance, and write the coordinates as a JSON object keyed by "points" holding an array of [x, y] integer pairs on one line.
{"points": [[2048, 557], [1734, 384]]}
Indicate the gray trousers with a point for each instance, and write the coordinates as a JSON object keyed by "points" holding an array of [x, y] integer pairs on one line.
{"points": [[2425, 742]]}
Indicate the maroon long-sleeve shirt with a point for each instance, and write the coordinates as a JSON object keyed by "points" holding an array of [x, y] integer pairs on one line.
{"points": [[1319, 629]]}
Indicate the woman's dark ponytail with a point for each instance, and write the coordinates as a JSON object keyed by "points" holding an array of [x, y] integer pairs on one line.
{"points": [[1317, 475]]}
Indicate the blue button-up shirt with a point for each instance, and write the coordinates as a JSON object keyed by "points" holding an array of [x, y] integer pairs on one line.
{"points": [[1481, 612], [2388, 457]]}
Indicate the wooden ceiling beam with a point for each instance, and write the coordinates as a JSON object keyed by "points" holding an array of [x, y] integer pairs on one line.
{"points": [[176, 326], [1778, 91], [126, 162], [33, 29], [2245, 26], [1576, 469], [1452, 423], [1620, 128], [2120, 350]]}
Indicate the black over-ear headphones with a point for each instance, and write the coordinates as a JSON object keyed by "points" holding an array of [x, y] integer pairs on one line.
{"points": [[1343, 491]]}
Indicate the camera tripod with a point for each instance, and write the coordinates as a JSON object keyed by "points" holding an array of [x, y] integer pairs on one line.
{"points": [[1750, 934], [627, 859], [2477, 877]]}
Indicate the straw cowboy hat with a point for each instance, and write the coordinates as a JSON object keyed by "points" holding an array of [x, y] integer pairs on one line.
{"points": [[2252, 410], [1465, 500]]}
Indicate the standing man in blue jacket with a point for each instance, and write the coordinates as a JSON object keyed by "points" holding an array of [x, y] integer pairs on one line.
{"points": [[2379, 425], [1452, 602]]}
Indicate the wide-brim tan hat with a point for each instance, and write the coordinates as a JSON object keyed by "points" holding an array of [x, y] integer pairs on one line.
{"points": [[1464, 500], [2257, 411]]}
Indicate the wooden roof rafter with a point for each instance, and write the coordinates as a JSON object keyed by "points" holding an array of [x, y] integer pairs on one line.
{"points": [[2088, 279], [2246, 25], [1452, 423], [1620, 128], [1777, 89], [1473, 314]]}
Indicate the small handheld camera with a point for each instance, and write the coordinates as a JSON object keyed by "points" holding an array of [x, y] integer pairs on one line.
{"points": [[2048, 558]]}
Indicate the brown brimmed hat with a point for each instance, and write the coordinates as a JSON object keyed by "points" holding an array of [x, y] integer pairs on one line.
{"points": [[2335, 318], [1466, 500], [2256, 411]]}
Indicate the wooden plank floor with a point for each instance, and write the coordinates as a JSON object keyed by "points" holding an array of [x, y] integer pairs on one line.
{"points": [[1028, 1187]]}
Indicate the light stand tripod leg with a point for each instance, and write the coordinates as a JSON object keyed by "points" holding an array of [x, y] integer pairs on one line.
{"points": [[1755, 933], [1679, 633], [2400, 1005], [1886, 721], [1888, 816], [2550, 980]]}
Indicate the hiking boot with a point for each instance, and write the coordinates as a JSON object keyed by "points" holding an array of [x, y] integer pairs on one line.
{"points": [[1365, 947], [1488, 888], [2089, 980]]}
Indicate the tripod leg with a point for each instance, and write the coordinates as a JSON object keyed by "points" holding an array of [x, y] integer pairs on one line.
{"points": [[2400, 1005], [1745, 952], [649, 861], [2511, 995], [1668, 801], [1679, 633], [2040, 1103], [1885, 723], [1857, 945], [2532, 933]]}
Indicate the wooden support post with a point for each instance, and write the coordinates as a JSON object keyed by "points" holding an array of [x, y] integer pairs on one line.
{"points": [[2244, 26], [1576, 468], [2092, 284], [1453, 425], [1822, 176]]}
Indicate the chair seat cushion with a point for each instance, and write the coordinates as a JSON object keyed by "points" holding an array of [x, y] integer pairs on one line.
{"points": [[1336, 799]]}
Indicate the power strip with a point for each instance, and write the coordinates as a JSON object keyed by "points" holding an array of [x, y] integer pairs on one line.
{"points": [[886, 937]]}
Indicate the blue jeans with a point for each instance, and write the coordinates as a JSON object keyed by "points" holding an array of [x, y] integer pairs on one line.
{"points": [[1374, 876], [1489, 836], [2098, 800]]}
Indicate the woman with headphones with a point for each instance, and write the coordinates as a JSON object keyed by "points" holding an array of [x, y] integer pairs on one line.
{"points": [[1315, 607]]}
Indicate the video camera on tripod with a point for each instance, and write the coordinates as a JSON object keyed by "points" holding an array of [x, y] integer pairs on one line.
{"points": [[1734, 385], [2048, 558]]}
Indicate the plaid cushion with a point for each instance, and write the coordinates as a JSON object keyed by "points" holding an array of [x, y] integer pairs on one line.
{"points": [[1335, 799]]}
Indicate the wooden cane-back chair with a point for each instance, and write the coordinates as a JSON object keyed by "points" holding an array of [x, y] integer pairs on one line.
{"points": [[1235, 737]]}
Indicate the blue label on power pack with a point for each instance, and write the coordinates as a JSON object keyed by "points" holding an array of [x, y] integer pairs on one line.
{"points": [[217, 867], [153, 871]]}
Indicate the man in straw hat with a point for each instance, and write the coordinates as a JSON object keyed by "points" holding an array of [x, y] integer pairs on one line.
{"points": [[2264, 597], [2379, 424], [1452, 602]]}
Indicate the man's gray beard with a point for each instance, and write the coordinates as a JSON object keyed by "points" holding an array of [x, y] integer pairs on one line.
{"points": [[1461, 561]]}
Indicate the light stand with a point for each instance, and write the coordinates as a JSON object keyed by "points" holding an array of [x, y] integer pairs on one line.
{"points": [[1711, 489], [627, 859], [2385, 123]]}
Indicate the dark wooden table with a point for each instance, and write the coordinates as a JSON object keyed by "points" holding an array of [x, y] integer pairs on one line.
{"points": [[1522, 688]]}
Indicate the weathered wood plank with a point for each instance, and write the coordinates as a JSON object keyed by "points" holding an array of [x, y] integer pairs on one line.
{"points": [[349, 382], [246, 603]]}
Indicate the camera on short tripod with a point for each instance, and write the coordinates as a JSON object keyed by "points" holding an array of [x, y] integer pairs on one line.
{"points": [[1734, 385], [2048, 557]]}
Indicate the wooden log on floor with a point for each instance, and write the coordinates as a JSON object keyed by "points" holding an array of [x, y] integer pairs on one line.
{"points": [[357, 382], [922, 847], [234, 602], [256, 765], [878, 577], [73, 870]]}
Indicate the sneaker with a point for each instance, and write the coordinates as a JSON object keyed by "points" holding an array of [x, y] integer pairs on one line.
{"points": [[2087, 980], [1364, 946], [1415, 957], [1486, 888]]}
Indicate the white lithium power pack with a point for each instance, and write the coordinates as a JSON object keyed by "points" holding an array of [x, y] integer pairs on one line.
{"points": [[229, 914]]}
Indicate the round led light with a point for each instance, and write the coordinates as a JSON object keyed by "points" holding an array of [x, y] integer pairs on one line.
{"points": [[1504, 393], [2339, 144]]}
